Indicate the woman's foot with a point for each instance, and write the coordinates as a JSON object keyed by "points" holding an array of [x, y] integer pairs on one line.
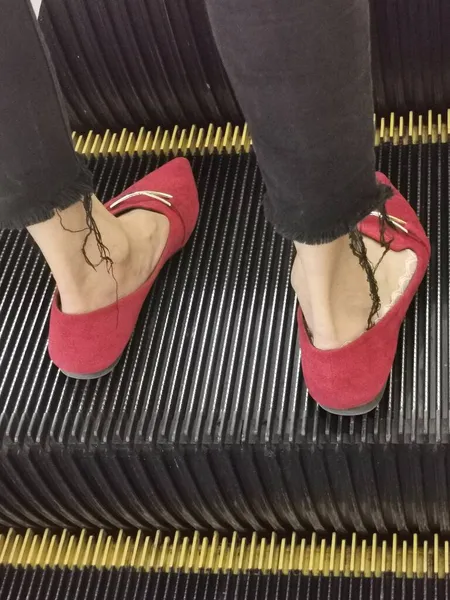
{"points": [[348, 353], [333, 289], [131, 247], [105, 260]]}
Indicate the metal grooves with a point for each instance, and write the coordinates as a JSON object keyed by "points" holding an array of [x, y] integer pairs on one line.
{"points": [[132, 63], [154, 62], [137, 566], [205, 423], [128, 584]]}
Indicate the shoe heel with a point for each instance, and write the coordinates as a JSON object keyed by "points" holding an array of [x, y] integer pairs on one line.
{"points": [[90, 376], [358, 410]]}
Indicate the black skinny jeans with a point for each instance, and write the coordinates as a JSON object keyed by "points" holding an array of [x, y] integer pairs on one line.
{"points": [[301, 71]]}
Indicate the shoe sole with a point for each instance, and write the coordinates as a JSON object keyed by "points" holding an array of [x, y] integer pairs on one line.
{"points": [[87, 377], [358, 410]]}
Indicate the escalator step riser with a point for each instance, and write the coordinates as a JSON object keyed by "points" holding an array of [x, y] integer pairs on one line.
{"points": [[156, 62]]}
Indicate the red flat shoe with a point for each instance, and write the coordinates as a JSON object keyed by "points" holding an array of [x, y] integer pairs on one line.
{"points": [[351, 380], [90, 345]]}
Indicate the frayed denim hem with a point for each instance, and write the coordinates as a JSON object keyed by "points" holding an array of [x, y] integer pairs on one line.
{"points": [[313, 237], [18, 213]]}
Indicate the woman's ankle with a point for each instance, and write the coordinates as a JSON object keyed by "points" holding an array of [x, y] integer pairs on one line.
{"points": [[333, 292], [82, 250], [143, 236], [96, 257]]}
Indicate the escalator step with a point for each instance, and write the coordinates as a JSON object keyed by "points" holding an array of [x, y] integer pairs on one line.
{"points": [[206, 422], [138, 567], [155, 62]]}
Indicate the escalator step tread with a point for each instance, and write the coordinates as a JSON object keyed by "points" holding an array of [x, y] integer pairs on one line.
{"points": [[206, 422], [129, 584], [138, 566]]}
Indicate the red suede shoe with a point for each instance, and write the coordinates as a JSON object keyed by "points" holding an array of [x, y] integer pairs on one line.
{"points": [[89, 345], [351, 380]]}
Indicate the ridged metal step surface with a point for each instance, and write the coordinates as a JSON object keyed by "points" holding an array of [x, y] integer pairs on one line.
{"points": [[206, 422], [128, 584]]}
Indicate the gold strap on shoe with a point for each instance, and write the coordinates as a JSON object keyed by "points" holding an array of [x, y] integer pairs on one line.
{"points": [[161, 196], [393, 221]]}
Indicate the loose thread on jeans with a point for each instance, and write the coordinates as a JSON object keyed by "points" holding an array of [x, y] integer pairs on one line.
{"points": [[386, 244], [92, 228], [359, 250]]}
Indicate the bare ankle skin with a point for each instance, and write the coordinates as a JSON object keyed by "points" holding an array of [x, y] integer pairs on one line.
{"points": [[93, 269], [333, 289]]}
